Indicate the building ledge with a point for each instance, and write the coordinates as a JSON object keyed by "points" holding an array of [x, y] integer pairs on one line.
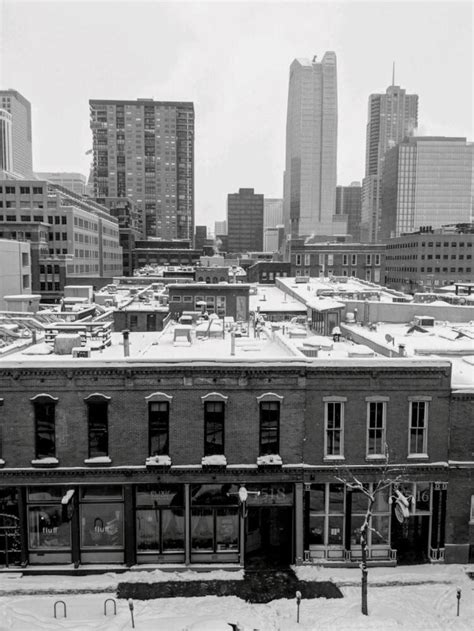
{"points": [[45, 462]]}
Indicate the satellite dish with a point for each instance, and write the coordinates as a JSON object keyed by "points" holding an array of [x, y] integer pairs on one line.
{"points": [[388, 338]]}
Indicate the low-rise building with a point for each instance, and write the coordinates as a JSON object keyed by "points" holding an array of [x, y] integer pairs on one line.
{"points": [[430, 258], [360, 260]]}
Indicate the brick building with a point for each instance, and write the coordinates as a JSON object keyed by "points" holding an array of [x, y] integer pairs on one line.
{"points": [[139, 458], [361, 260]]}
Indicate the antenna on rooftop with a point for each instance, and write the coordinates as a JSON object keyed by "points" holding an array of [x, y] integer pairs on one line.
{"points": [[393, 74]]}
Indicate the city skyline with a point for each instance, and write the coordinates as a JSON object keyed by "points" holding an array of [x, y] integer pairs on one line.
{"points": [[238, 85]]}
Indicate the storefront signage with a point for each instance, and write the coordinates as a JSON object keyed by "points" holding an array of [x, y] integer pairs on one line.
{"points": [[271, 495]]}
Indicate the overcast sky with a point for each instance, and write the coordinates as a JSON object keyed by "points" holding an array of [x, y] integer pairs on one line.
{"points": [[232, 60]]}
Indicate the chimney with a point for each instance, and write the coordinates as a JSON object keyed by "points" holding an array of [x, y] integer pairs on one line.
{"points": [[126, 343], [401, 350]]}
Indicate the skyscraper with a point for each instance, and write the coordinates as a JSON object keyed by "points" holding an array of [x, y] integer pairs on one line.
{"points": [[144, 150], [427, 181], [311, 147], [348, 204], [245, 221], [391, 117], [19, 109]]}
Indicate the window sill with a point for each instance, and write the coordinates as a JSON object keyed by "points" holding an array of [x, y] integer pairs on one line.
{"points": [[98, 460], [214, 461], [158, 461], [333, 458], [45, 462], [2, 462], [418, 457], [375, 457], [271, 460]]}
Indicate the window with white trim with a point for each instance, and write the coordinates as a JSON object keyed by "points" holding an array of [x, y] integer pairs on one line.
{"points": [[307, 259], [376, 415], [353, 259], [334, 428], [298, 259], [418, 428]]}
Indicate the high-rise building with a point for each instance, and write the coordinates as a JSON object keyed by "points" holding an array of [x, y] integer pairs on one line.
{"points": [[144, 150], [75, 182], [19, 109], [245, 221], [311, 147], [6, 147], [220, 228], [392, 116], [200, 237], [272, 212], [427, 181], [348, 205]]}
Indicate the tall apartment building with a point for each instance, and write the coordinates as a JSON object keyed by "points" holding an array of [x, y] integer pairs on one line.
{"points": [[311, 147], [71, 237], [245, 221], [348, 205], [75, 182], [144, 150], [391, 117], [427, 181], [19, 109]]}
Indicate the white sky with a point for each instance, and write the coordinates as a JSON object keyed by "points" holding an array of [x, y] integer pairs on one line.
{"points": [[232, 60]]}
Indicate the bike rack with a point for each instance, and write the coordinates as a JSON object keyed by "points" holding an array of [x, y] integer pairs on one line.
{"points": [[110, 600], [64, 608]]}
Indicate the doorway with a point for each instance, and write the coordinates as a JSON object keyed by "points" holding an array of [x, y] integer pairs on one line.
{"points": [[411, 539], [268, 537]]}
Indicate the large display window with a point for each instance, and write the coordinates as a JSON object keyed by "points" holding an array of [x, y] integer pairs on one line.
{"points": [[48, 526], [101, 517], [214, 518], [160, 518]]}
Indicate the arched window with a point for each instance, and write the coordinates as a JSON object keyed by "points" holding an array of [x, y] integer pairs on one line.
{"points": [[214, 423], [45, 425], [158, 423], [98, 424], [269, 408]]}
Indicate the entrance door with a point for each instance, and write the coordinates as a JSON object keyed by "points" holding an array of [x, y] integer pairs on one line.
{"points": [[268, 540], [411, 539]]}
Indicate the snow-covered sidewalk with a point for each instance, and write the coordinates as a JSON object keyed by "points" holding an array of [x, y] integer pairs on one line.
{"points": [[415, 598]]}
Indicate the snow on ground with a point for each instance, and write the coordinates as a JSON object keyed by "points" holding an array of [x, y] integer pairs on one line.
{"points": [[417, 598]]}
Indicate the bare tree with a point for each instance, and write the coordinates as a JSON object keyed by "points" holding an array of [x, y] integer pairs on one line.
{"points": [[388, 477]]}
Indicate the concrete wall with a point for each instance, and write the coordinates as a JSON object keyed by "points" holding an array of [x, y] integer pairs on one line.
{"points": [[405, 312]]}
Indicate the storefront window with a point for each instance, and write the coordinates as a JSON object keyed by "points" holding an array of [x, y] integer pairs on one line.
{"points": [[202, 529], [102, 525], [160, 518], [46, 528], [317, 501], [45, 493], [335, 530], [106, 492], [214, 517], [380, 530], [227, 529]]}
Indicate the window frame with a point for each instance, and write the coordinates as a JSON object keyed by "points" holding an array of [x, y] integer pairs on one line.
{"points": [[38, 401], [332, 401], [271, 399], [370, 401], [424, 429], [93, 400]]}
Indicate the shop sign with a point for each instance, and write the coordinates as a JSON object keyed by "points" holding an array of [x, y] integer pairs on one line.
{"points": [[271, 495]]}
